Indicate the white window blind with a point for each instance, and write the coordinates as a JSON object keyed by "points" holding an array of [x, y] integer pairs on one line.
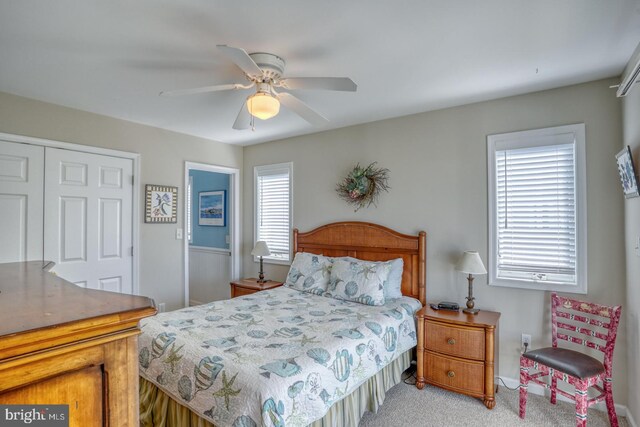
{"points": [[273, 209], [536, 208]]}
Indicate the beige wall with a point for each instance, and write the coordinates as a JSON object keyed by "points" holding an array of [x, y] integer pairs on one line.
{"points": [[438, 169], [163, 154], [631, 310]]}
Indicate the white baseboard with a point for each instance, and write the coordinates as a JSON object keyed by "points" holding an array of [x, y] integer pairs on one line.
{"points": [[193, 302], [621, 410]]}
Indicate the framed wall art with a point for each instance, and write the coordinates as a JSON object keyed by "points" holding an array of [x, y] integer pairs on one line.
{"points": [[161, 204], [627, 173], [212, 208]]}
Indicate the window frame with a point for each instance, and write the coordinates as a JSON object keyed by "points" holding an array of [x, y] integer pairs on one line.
{"points": [[530, 138], [288, 166]]}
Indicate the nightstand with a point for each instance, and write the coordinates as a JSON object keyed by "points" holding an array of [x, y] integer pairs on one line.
{"points": [[250, 286], [458, 352]]}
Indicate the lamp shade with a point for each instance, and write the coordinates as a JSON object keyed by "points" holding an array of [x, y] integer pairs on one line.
{"points": [[471, 263], [263, 105], [261, 249]]}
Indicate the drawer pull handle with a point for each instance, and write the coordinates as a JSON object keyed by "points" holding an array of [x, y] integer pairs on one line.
{"points": [[451, 374], [451, 341]]}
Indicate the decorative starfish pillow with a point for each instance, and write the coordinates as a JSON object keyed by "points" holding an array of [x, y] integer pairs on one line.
{"points": [[309, 273], [359, 281]]}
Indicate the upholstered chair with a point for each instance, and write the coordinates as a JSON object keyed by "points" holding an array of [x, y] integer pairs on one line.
{"points": [[591, 325]]}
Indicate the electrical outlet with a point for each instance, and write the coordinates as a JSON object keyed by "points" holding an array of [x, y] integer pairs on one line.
{"points": [[178, 233], [525, 339], [161, 307]]}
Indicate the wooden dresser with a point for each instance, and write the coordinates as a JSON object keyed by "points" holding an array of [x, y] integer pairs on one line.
{"points": [[62, 344], [458, 351], [250, 286]]}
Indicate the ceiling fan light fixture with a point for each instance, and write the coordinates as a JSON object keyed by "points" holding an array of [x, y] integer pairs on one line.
{"points": [[263, 105]]}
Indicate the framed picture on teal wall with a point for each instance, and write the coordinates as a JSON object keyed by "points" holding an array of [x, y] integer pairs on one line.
{"points": [[212, 208]]}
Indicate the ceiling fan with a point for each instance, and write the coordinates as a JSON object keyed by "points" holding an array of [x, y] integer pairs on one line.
{"points": [[264, 72]]}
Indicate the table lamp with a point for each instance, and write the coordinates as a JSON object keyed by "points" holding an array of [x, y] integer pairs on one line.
{"points": [[472, 264], [261, 249]]}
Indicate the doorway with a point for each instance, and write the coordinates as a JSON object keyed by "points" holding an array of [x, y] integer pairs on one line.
{"points": [[211, 230]]}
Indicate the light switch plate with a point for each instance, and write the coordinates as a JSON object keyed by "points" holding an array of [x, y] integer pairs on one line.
{"points": [[178, 233]]}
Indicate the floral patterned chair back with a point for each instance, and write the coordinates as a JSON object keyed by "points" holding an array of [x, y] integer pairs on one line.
{"points": [[600, 319]]}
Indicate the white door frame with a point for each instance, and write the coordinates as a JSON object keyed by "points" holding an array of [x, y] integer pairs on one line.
{"points": [[234, 218], [135, 157]]}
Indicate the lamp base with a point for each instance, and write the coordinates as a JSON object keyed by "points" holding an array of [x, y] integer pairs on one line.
{"points": [[471, 310]]}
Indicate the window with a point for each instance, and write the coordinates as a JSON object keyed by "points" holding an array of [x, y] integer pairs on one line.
{"points": [[273, 210], [537, 209]]}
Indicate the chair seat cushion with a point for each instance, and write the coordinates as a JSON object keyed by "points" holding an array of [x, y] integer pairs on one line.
{"points": [[568, 361]]}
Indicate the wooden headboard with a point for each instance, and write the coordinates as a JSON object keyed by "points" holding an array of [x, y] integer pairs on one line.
{"points": [[371, 242]]}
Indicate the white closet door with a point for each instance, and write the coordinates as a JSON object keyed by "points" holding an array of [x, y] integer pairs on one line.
{"points": [[21, 182], [88, 218]]}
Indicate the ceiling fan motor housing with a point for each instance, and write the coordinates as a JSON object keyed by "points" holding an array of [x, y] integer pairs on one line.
{"points": [[271, 65]]}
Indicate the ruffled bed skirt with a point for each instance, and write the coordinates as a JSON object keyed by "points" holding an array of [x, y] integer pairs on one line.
{"points": [[158, 409]]}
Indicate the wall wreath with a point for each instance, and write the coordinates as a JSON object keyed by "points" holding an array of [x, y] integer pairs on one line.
{"points": [[362, 185]]}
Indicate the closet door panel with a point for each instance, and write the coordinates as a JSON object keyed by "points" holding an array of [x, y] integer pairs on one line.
{"points": [[21, 209], [88, 225]]}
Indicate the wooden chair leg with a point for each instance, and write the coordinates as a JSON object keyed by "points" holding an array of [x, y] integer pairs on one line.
{"points": [[581, 404], [554, 387], [524, 381], [611, 409]]}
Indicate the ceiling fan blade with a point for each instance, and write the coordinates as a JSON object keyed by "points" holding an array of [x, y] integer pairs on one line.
{"points": [[301, 109], [320, 83], [243, 121], [242, 59], [205, 89]]}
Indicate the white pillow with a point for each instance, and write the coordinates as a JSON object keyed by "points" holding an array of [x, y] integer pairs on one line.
{"points": [[359, 281], [393, 286], [309, 273]]}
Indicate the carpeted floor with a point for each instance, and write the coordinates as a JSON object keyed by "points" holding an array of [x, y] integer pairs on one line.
{"points": [[405, 405]]}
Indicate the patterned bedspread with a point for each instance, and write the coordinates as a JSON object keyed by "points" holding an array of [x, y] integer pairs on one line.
{"points": [[275, 358]]}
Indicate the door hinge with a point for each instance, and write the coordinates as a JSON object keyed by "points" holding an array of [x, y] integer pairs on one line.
{"points": [[131, 250], [132, 179]]}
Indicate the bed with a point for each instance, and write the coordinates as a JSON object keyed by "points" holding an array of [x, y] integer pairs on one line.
{"points": [[284, 357]]}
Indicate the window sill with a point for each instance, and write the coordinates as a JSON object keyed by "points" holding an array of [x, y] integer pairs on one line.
{"points": [[540, 286]]}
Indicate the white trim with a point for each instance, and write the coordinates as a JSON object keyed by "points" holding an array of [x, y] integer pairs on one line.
{"points": [[537, 389], [235, 224], [210, 250], [524, 139], [137, 160], [275, 167], [629, 416], [193, 302]]}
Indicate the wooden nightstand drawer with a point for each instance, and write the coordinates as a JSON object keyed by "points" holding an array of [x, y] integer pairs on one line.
{"points": [[238, 291], [456, 341], [460, 375]]}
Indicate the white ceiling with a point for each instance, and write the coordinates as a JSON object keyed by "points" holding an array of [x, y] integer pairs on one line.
{"points": [[408, 56]]}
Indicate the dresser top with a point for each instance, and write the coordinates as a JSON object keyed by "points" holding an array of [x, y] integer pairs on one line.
{"points": [[33, 299]]}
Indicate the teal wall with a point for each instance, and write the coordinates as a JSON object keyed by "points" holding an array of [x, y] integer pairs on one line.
{"points": [[207, 235]]}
